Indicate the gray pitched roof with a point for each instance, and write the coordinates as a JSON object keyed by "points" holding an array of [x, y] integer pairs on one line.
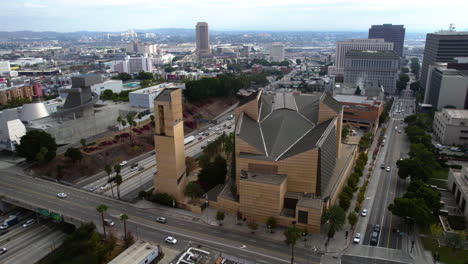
{"points": [[282, 128], [309, 141], [287, 124], [250, 133]]}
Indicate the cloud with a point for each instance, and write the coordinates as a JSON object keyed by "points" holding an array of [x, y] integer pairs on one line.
{"points": [[33, 5]]}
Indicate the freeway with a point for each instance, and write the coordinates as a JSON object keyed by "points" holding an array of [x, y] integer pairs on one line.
{"points": [[81, 205], [135, 180]]}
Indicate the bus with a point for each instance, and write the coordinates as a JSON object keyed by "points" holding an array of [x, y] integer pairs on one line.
{"points": [[188, 140]]}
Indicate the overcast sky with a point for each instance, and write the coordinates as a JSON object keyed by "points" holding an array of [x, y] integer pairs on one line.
{"points": [[317, 15]]}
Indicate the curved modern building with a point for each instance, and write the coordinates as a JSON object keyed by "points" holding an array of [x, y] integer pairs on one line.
{"points": [[30, 112]]}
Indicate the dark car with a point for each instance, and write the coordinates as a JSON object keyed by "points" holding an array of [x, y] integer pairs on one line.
{"points": [[377, 228], [134, 165], [374, 238]]}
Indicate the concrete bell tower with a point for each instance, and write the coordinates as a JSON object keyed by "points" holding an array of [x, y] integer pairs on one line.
{"points": [[169, 144]]}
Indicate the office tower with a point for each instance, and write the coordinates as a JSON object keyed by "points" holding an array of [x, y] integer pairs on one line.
{"points": [[277, 52], [133, 64], [203, 39], [390, 33], [447, 85], [442, 46], [169, 144], [342, 47], [372, 68]]}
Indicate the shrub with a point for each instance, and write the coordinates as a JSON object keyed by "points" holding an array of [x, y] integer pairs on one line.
{"points": [[345, 203], [360, 197], [357, 208], [162, 198]]}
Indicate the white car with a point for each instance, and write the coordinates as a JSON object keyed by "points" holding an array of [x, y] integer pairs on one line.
{"points": [[357, 238], [123, 163], [109, 222], [161, 219], [3, 227], [61, 195], [364, 212], [29, 223], [2, 251], [170, 240], [104, 187], [387, 169]]}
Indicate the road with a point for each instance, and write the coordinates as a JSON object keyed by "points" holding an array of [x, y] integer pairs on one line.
{"points": [[82, 205], [29, 245], [386, 185]]}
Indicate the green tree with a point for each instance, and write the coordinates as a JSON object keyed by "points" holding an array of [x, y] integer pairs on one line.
{"points": [[411, 208], [193, 190], [404, 78], [271, 223], [122, 76], [298, 61], [106, 95], [335, 216], [455, 240], [352, 218], [124, 218], [145, 76], [220, 217], [169, 69], [41, 155], [213, 173], [400, 85], [73, 154], [131, 122], [83, 142], [405, 70], [144, 83], [344, 133], [33, 141], [414, 86], [108, 170], [366, 140], [436, 231], [102, 209], [118, 181], [292, 234], [358, 90]]}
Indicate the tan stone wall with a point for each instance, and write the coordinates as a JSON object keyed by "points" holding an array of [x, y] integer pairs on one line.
{"points": [[347, 171], [226, 205], [301, 170], [260, 201], [313, 219]]}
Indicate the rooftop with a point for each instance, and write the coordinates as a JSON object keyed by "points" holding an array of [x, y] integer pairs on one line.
{"points": [[456, 113], [135, 253], [266, 178], [357, 99]]}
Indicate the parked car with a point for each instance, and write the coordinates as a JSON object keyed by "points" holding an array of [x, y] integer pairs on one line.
{"points": [[3, 251], [364, 212], [357, 238], [162, 220], [29, 223], [123, 163], [171, 240], [109, 222], [62, 195]]}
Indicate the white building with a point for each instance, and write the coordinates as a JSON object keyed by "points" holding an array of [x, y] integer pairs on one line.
{"points": [[457, 184], [4, 67], [140, 252], [342, 47], [11, 129], [144, 98], [451, 127], [134, 64], [277, 52], [115, 86], [447, 85]]}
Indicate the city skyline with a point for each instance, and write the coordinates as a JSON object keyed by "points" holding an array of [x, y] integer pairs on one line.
{"points": [[297, 15]]}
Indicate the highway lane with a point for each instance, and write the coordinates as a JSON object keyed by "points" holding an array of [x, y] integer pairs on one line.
{"points": [[82, 205]]}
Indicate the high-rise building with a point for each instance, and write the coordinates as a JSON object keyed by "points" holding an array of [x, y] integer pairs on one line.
{"points": [[390, 33], [342, 47], [133, 64], [442, 46], [171, 177], [277, 52], [447, 85], [203, 39], [372, 68], [4, 67]]}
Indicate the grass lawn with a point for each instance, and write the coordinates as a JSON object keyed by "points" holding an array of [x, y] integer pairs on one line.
{"points": [[447, 255], [440, 174]]}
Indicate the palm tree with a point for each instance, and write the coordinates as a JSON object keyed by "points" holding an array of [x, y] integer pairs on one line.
{"points": [[102, 209], [124, 218], [118, 181], [139, 116], [131, 122], [119, 120], [335, 216], [292, 234], [108, 170]]}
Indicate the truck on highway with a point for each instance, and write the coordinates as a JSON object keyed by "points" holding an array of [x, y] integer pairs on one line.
{"points": [[11, 220], [188, 139]]}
